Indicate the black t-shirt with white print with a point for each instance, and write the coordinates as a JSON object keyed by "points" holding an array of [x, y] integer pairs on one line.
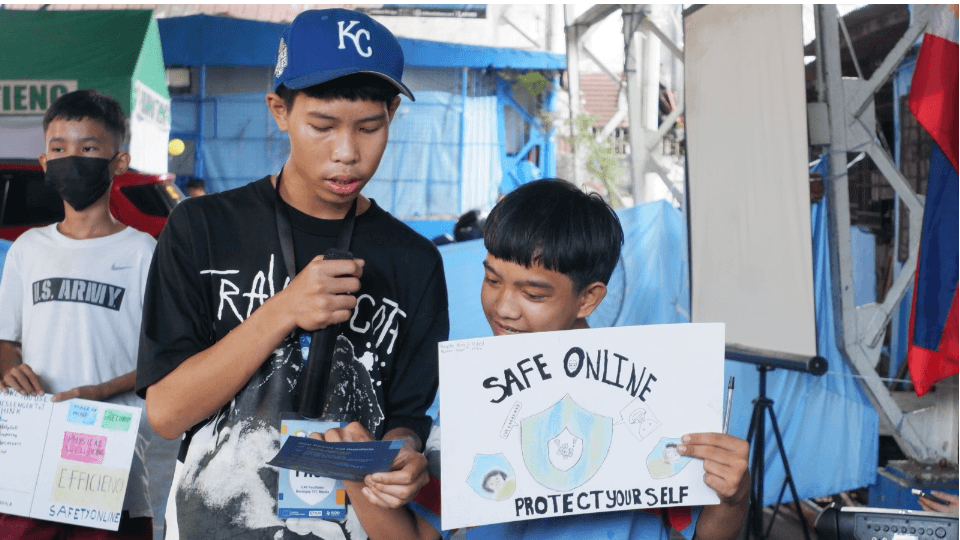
{"points": [[217, 260]]}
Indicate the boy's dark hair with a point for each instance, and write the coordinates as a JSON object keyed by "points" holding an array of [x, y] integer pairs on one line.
{"points": [[81, 104], [195, 183], [556, 225], [489, 475], [354, 87]]}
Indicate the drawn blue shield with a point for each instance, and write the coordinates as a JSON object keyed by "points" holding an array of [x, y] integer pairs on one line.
{"points": [[565, 445], [492, 477]]}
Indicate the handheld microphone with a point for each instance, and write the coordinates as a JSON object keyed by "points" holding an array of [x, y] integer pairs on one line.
{"points": [[322, 343]]}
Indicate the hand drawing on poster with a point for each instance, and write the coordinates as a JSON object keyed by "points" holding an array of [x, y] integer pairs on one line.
{"points": [[640, 418], [574, 455]]}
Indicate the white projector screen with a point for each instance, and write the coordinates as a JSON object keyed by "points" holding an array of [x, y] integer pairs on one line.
{"points": [[748, 184]]}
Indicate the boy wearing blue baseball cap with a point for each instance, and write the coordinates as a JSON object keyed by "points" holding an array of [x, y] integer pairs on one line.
{"points": [[238, 279]]}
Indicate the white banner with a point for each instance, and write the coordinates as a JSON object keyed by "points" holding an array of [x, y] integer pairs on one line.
{"points": [[32, 96], [149, 130], [751, 262], [576, 422]]}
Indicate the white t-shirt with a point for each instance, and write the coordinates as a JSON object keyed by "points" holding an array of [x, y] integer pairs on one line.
{"points": [[75, 306]]}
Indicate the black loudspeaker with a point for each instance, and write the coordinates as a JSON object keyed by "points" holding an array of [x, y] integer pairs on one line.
{"points": [[859, 523]]}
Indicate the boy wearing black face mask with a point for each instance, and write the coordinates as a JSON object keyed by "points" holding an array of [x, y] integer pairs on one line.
{"points": [[72, 294]]}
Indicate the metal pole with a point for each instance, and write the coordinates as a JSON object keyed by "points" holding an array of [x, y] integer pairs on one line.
{"points": [[549, 21], [572, 32], [463, 133], [201, 132], [632, 15], [837, 186]]}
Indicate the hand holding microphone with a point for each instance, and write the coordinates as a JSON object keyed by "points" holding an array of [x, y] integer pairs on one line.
{"points": [[323, 340]]}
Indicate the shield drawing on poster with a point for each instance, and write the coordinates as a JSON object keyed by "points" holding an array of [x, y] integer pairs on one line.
{"points": [[565, 445]]}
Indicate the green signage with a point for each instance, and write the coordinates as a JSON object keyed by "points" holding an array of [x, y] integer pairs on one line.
{"points": [[32, 96]]}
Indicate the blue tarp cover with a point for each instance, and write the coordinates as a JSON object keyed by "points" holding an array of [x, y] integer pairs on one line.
{"points": [[197, 40], [829, 427]]}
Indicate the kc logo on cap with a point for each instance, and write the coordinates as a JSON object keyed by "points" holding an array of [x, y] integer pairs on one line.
{"points": [[322, 45], [355, 37]]}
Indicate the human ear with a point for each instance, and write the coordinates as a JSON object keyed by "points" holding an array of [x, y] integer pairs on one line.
{"points": [[590, 297], [278, 109], [392, 108], [120, 163], [43, 161]]}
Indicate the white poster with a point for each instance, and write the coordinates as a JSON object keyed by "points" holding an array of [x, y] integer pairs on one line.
{"points": [[576, 422], [149, 130], [66, 462]]}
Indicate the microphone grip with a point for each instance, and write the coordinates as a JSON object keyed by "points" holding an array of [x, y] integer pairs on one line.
{"points": [[317, 374], [319, 360]]}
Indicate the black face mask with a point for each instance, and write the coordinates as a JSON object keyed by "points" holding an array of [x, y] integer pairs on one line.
{"points": [[79, 180]]}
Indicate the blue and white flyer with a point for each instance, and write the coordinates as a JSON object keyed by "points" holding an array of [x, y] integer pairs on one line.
{"points": [[339, 460]]}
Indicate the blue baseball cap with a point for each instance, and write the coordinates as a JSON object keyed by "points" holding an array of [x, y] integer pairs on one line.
{"points": [[323, 44]]}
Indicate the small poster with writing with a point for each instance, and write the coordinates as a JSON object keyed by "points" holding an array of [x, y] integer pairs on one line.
{"points": [[576, 422], [67, 462]]}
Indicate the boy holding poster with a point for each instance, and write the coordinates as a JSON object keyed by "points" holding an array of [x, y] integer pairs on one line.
{"points": [[551, 251], [72, 294], [239, 276]]}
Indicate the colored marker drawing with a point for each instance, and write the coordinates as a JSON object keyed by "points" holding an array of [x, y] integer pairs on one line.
{"points": [[566, 449], [665, 460], [565, 445], [492, 477], [639, 419]]}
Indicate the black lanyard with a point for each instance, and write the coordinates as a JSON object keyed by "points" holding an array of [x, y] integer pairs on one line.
{"points": [[286, 233]]}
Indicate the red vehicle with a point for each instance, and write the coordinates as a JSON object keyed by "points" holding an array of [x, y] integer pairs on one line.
{"points": [[142, 201]]}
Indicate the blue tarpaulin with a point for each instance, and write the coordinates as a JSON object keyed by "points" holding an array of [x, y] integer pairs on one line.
{"points": [[197, 40], [829, 427]]}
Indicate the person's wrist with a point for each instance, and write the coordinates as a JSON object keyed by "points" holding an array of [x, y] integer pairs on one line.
{"points": [[275, 309], [410, 439]]}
